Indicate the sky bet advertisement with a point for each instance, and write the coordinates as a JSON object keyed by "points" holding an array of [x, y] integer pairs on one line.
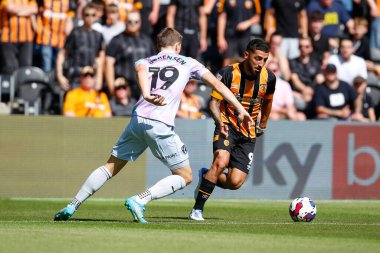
{"points": [[319, 159]]}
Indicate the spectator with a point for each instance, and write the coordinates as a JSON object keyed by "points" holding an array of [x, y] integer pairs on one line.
{"points": [[283, 102], [150, 12], [122, 102], [83, 47], [212, 58], [16, 46], [306, 74], [367, 9], [349, 65], [234, 27], [189, 18], [124, 50], [334, 16], [291, 20], [321, 43], [275, 55], [360, 39], [86, 101], [114, 25], [374, 40], [334, 99], [367, 112], [191, 104], [54, 23]]}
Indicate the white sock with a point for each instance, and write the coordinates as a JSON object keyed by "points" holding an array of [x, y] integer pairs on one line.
{"points": [[162, 188], [93, 183]]}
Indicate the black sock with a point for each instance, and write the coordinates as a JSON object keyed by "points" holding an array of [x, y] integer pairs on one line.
{"points": [[204, 193]]}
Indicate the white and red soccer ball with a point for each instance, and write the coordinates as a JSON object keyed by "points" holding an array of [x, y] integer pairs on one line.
{"points": [[302, 209]]}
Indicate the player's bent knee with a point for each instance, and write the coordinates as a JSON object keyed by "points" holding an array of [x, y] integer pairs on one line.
{"points": [[236, 183], [185, 173], [188, 178]]}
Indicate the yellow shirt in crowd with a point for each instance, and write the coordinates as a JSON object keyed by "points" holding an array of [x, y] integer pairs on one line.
{"points": [[87, 103]]}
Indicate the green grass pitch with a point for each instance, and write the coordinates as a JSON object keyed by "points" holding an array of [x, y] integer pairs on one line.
{"points": [[26, 225]]}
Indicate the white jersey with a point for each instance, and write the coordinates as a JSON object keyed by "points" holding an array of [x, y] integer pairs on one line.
{"points": [[168, 75]]}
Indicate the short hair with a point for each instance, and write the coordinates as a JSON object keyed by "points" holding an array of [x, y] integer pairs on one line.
{"points": [[89, 6], [316, 16], [344, 38], [361, 21], [168, 37], [257, 44], [112, 8], [358, 81], [276, 33]]}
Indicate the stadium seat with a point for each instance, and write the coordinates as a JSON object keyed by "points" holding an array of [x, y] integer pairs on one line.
{"points": [[29, 84]]}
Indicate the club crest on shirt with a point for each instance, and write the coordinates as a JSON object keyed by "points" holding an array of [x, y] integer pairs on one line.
{"points": [[263, 86], [219, 77], [226, 143]]}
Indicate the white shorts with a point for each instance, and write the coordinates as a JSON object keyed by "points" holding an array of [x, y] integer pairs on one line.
{"points": [[159, 137]]}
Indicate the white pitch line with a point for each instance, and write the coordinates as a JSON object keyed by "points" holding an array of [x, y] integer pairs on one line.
{"points": [[203, 223]]}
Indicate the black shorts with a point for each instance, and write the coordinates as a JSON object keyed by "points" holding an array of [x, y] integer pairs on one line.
{"points": [[239, 146]]}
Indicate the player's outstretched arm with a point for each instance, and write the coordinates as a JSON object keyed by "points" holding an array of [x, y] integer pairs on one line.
{"points": [[215, 113], [144, 85], [243, 116]]}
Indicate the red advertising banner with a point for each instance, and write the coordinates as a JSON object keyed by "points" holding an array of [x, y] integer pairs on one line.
{"points": [[356, 162]]}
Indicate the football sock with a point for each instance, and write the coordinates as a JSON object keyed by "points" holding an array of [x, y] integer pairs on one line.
{"points": [[204, 192], [162, 188], [93, 183], [144, 198], [76, 203]]}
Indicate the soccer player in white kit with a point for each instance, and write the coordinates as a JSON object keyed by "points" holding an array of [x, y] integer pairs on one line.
{"points": [[161, 79]]}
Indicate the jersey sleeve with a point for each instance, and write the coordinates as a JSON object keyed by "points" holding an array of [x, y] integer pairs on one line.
{"points": [[224, 75], [111, 49], [197, 69], [141, 61], [271, 84], [69, 44]]}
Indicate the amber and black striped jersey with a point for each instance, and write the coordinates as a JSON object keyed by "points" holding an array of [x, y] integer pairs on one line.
{"points": [[16, 29], [250, 93], [51, 22]]}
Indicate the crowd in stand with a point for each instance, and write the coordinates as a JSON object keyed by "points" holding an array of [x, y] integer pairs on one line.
{"points": [[325, 53]]}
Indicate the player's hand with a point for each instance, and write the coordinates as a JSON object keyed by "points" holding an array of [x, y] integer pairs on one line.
{"points": [[155, 99], [259, 131], [224, 130], [245, 119]]}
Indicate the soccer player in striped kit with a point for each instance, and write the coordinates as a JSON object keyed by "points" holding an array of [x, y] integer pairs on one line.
{"points": [[253, 84]]}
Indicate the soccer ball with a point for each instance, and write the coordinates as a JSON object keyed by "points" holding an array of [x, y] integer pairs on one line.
{"points": [[302, 209]]}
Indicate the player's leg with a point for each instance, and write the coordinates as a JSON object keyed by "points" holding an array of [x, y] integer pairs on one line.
{"points": [[222, 148], [128, 147], [232, 180], [208, 182], [93, 183], [168, 147], [239, 166]]}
